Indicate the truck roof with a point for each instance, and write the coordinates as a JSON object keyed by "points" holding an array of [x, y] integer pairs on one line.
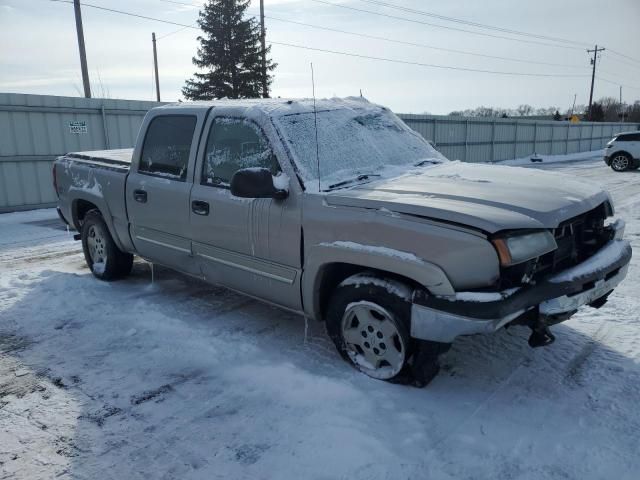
{"points": [[278, 107]]}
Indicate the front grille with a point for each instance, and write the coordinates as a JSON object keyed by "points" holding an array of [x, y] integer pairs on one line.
{"points": [[578, 239]]}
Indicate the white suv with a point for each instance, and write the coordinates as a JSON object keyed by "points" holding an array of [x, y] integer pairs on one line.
{"points": [[623, 151]]}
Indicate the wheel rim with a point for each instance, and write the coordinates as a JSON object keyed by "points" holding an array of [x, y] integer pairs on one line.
{"points": [[97, 245], [372, 339], [620, 162]]}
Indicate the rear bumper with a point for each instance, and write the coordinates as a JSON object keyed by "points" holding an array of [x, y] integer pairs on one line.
{"points": [[442, 319]]}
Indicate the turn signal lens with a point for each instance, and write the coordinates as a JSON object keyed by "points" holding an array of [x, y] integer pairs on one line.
{"points": [[503, 251]]}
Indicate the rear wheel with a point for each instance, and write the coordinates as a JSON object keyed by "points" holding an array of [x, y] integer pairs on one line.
{"points": [[368, 320], [620, 162], [104, 258]]}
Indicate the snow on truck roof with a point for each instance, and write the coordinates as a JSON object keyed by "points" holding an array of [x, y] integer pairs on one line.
{"points": [[279, 107]]}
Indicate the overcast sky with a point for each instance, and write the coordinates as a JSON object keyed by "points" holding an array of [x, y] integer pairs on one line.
{"points": [[39, 52]]}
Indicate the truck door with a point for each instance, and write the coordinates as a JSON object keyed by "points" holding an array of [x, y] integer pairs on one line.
{"points": [[159, 186], [251, 245]]}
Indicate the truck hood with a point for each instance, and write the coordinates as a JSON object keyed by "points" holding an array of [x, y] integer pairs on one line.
{"points": [[487, 197]]}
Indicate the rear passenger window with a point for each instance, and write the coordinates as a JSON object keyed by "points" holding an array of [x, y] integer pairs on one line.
{"points": [[166, 147], [630, 137], [234, 144]]}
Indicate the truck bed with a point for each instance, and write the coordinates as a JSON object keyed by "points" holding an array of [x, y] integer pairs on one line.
{"points": [[118, 158]]}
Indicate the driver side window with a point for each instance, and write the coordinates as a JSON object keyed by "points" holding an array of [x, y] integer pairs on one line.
{"points": [[234, 144]]}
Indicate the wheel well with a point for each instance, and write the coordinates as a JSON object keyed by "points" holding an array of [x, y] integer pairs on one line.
{"points": [[620, 151], [332, 274], [79, 211]]}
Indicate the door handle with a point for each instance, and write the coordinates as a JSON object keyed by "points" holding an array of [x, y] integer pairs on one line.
{"points": [[199, 207], [140, 196]]}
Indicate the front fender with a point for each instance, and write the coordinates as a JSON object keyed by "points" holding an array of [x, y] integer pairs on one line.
{"points": [[405, 264]]}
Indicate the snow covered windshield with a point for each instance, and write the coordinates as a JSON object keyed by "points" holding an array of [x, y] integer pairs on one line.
{"points": [[353, 143]]}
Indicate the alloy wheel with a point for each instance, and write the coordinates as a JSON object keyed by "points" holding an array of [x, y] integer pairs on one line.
{"points": [[372, 339]]}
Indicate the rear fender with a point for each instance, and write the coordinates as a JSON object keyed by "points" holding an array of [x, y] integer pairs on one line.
{"points": [[96, 199]]}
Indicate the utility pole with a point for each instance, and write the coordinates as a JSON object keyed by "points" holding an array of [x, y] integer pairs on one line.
{"points": [[265, 86], [155, 65], [593, 74], [83, 53], [621, 107]]}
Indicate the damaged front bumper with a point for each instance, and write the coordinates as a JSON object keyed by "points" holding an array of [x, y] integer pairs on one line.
{"points": [[555, 299]]}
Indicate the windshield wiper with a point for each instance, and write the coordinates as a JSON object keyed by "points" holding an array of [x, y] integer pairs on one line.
{"points": [[359, 178], [424, 162]]}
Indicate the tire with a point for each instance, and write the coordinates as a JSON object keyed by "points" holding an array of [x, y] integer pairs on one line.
{"points": [[105, 260], [620, 162], [368, 320]]}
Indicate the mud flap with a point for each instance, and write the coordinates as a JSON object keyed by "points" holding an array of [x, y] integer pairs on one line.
{"points": [[424, 364]]}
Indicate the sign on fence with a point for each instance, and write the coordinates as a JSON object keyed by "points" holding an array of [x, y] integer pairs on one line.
{"points": [[78, 126]]}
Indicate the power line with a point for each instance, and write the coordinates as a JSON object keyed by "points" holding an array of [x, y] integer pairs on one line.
{"points": [[335, 52], [474, 24], [193, 25], [386, 39], [431, 65], [624, 56], [411, 20], [182, 3], [113, 10], [614, 82], [422, 45]]}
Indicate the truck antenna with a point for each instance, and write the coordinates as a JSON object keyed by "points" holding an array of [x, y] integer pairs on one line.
{"points": [[315, 119]]}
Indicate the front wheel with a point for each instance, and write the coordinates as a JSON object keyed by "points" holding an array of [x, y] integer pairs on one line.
{"points": [[104, 258], [620, 162], [368, 320]]}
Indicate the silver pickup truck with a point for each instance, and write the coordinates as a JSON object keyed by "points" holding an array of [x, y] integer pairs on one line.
{"points": [[339, 211]]}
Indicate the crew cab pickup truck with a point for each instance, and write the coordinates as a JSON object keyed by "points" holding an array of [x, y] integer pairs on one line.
{"points": [[341, 212]]}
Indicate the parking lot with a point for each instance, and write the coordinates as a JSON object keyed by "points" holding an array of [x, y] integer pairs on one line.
{"points": [[163, 376]]}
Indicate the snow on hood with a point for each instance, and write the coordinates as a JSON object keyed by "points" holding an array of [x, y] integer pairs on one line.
{"points": [[487, 197]]}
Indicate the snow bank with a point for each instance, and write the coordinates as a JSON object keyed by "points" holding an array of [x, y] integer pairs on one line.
{"points": [[571, 157]]}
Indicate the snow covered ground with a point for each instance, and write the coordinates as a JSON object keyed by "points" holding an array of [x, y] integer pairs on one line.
{"points": [[179, 379]]}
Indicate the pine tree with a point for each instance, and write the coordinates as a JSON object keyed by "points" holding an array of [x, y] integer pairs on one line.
{"points": [[230, 51]]}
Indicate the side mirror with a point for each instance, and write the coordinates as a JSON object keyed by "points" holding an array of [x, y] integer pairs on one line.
{"points": [[255, 183]]}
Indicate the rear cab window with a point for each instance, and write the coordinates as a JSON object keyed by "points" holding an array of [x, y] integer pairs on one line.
{"points": [[167, 146]]}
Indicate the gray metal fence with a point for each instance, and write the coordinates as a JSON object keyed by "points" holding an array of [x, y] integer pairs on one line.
{"points": [[493, 140], [34, 129]]}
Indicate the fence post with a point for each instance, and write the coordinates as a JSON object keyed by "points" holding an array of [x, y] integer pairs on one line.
{"points": [[535, 137], [466, 140], [493, 140], [566, 145], [515, 142], [591, 139], [105, 128], [435, 131]]}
